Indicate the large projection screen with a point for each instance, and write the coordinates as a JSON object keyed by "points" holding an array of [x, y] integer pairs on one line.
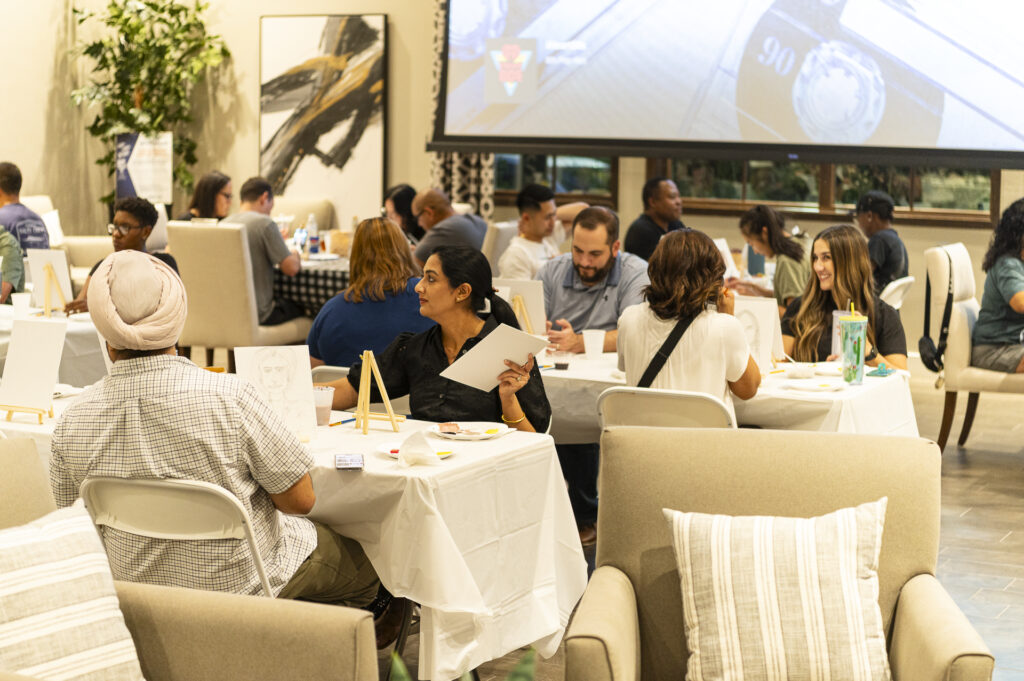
{"points": [[921, 81]]}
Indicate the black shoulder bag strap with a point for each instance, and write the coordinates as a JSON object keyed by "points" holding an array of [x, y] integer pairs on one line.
{"points": [[947, 310], [659, 359]]}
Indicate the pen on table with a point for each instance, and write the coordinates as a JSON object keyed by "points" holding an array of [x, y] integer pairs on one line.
{"points": [[338, 423]]}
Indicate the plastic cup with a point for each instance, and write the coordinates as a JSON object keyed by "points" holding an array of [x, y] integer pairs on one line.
{"points": [[593, 343], [560, 358], [852, 334], [20, 303], [323, 397], [837, 345]]}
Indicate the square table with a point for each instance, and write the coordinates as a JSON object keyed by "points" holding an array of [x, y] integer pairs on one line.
{"points": [[881, 405], [485, 541], [317, 282]]}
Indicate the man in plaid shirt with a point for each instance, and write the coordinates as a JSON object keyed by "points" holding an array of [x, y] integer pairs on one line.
{"points": [[158, 415]]}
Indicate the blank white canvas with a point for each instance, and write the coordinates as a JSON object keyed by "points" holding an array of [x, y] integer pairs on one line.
{"points": [[282, 375], [730, 265], [33, 360], [763, 328], [38, 258], [532, 291]]}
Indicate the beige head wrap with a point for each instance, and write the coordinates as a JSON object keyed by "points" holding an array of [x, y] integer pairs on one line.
{"points": [[137, 302]]}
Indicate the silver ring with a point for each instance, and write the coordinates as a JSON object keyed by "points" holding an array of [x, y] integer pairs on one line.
{"points": [[520, 379]]}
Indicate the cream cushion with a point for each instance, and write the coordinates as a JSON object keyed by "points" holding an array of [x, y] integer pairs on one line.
{"points": [[779, 598], [59, 614]]}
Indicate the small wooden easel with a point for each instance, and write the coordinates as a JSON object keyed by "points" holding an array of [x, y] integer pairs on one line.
{"points": [[50, 283], [519, 307], [10, 409], [363, 413]]}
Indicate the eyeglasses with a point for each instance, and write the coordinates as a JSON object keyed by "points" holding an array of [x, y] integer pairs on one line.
{"points": [[121, 229]]}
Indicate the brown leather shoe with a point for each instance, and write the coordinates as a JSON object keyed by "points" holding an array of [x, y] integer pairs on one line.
{"points": [[588, 535]]}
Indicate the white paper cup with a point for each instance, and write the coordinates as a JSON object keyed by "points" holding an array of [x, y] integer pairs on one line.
{"points": [[593, 343], [20, 303], [323, 397]]}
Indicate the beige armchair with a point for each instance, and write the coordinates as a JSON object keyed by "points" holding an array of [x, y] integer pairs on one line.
{"points": [[629, 624], [957, 370], [191, 635], [214, 264], [300, 208]]}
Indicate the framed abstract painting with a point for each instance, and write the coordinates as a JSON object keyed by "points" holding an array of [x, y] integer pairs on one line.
{"points": [[323, 104]]}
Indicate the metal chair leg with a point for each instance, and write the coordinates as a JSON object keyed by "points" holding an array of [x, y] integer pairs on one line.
{"points": [[403, 634], [972, 407], [947, 419]]}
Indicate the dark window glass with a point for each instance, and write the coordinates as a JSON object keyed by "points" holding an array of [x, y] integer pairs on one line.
{"points": [[708, 179], [782, 181], [852, 181]]}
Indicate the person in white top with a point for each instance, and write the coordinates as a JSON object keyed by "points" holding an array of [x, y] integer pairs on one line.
{"points": [[686, 272], [532, 247], [540, 232]]}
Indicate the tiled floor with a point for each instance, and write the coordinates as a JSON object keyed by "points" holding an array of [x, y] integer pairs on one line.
{"points": [[981, 555]]}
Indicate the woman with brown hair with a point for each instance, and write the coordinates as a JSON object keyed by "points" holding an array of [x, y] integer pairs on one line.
{"points": [[842, 274], [379, 303], [712, 356]]}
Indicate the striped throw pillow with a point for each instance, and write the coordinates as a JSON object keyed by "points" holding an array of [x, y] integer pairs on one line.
{"points": [[59, 615], [782, 598]]}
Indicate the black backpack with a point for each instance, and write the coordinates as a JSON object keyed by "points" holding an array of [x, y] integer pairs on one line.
{"points": [[932, 355]]}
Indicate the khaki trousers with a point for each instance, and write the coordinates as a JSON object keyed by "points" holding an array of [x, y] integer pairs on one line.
{"points": [[336, 573]]}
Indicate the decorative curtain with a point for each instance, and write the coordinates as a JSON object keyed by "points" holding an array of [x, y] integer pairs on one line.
{"points": [[466, 178]]}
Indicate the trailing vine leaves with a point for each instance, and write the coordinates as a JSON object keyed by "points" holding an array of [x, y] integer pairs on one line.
{"points": [[144, 69]]}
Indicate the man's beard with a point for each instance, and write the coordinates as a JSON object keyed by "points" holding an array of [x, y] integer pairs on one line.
{"points": [[599, 275]]}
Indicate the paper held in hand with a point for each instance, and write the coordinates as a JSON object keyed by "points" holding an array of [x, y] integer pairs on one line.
{"points": [[479, 368]]}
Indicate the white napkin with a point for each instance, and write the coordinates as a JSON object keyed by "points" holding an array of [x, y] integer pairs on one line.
{"points": [[416, 449]]}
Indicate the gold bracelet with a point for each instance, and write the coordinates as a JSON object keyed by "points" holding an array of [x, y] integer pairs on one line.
{"points": [[515, 421]]}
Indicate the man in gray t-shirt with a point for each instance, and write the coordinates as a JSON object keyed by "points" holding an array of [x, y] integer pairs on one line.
{"points": [[266, 249], [443, 225]]}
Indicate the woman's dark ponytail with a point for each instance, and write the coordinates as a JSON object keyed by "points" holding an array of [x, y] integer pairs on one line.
{"points": [[465, 265]]}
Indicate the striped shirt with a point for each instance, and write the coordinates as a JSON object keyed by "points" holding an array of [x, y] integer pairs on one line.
{"points": [[164, 417]]}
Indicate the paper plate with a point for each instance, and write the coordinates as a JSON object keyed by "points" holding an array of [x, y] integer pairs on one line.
{"points": [[815, 385], [473, 430], [391, 449]]}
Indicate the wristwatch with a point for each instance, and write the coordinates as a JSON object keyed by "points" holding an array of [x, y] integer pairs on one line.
{"points": [[871, 355]]}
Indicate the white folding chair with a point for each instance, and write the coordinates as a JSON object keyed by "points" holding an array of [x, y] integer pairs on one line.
{"points": [[626, 406], [895, 291], [499, 235], [326, 373], [180, 510]]}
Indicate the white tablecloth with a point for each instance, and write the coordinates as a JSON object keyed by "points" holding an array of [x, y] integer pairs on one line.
{"points": [[485, 543], [81, 363], [879, 406]]}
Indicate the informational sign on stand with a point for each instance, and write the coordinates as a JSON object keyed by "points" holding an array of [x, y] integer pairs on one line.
{"points": [[145, 166]]}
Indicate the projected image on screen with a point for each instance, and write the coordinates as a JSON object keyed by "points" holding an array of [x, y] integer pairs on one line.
{"points": [[887, 73]]}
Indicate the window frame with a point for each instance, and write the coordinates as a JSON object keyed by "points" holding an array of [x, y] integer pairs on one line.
{"points": [[827, 207], [507, 197]]}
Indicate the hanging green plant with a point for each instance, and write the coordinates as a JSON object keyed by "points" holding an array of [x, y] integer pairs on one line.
{"points": [[144, 70]]}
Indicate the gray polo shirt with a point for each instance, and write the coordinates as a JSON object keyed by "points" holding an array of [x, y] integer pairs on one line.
{"points": [[592, 307], [457, 230], [266, 250]]}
